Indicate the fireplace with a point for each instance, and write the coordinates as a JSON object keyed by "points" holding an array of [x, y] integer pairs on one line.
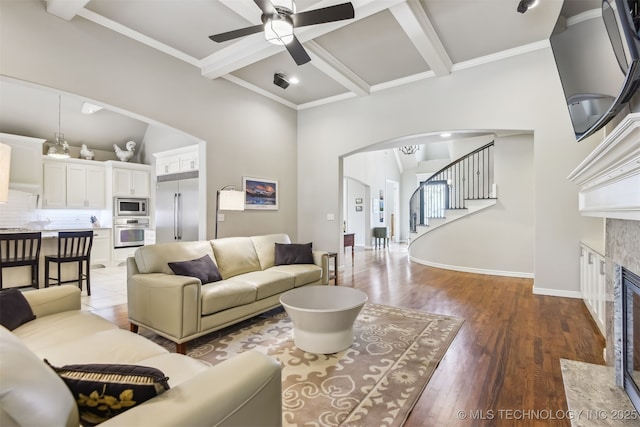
{"points": [[631, 336]]}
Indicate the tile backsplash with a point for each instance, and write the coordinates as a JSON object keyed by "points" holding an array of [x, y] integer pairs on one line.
{"points": [[20, 211]]}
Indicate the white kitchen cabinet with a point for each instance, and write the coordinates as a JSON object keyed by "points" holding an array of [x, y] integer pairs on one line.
{"points": [[25, 173], [73, 184], [130, 182], [167, 166], [179, 160], [55, 185], [85, 186], [101, 249]]}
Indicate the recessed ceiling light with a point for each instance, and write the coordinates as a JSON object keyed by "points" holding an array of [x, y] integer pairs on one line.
{"points": [[445, 134], [294, 80]]}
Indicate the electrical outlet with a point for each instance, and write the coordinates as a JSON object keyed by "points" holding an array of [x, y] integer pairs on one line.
{"points": [[220, 217], [331, 217]]}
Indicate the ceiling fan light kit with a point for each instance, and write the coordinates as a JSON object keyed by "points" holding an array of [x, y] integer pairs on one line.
{"points": [[279, 30], [279, 19]]}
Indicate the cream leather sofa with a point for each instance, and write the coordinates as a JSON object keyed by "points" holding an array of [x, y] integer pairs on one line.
{"points": [[241, 391], [181, 308]]}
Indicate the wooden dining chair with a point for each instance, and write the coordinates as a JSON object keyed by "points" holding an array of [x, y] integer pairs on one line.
{"points": [[73, 246], [21, 250]]}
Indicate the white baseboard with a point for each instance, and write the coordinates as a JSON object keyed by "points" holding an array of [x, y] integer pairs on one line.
{"points": [[474, 270], [556, 293]]}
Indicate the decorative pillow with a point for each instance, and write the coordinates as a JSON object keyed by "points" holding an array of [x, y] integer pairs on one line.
{"points": [[103, 391], [293, 253], [202, 268], [14, 309]]}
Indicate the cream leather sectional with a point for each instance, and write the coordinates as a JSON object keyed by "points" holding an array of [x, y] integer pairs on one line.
{"points": [[180, 308]]}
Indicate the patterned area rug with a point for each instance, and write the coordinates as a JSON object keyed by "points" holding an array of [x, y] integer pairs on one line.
{"points": [[376, 381]]}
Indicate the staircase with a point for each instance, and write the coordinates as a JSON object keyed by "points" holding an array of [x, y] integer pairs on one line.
{"points": [[459, 189]]}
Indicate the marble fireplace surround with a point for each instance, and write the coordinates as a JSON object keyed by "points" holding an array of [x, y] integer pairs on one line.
{"points": [[609, 187]]}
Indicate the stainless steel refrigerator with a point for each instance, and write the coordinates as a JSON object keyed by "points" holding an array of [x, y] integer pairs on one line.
{"points": [[177, 214]]}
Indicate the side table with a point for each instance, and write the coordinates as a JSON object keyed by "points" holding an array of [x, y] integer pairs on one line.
{"points": [[333, 274]]}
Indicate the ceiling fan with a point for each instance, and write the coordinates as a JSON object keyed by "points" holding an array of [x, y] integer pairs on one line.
{"points": [[279, 19]]}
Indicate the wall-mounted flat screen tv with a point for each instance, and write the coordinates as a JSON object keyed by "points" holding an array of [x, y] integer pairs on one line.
{"points": [[597, 56]]}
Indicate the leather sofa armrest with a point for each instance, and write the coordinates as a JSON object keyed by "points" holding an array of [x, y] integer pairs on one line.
{"points": [[53, 300], [167, 303], [245, 390], [321, 259]]}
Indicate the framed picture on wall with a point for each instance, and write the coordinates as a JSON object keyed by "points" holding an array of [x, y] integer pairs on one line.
{"points": [[359, 201], [358, 208], [260, 193]]}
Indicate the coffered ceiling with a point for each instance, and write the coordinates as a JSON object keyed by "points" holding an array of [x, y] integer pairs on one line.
{"points": [[389, 42]]}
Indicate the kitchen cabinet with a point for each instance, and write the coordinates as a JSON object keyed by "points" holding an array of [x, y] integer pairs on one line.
{"points": [[85, 186], [130, 182], [101, 249], [55, 185], [73, 184], [25, 173], [179, 160]]}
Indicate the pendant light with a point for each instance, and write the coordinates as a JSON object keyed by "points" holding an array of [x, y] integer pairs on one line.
{"points": [[409, 149], [60, 148]]}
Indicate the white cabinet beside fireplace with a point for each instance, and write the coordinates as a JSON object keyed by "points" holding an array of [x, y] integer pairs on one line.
{"points": [[593, 285]]}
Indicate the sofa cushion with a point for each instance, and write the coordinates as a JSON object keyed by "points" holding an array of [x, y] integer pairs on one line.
{"points": [[266, 283], [14, 309], [303, 274], [293, 253], [226, 294], [111, 346], [102, 391], [265, 248], [176, 366], [53, 330], [156, 258], [235, 255], [31, 394], [203, 268]]}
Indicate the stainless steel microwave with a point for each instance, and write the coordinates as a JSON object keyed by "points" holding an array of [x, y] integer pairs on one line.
{"points": [[130, 207]]}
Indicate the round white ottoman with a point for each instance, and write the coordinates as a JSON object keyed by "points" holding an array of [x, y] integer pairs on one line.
{"points": [[323, 316]]}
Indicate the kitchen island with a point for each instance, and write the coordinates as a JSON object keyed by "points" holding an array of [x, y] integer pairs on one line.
{"points": [[20, 276]]}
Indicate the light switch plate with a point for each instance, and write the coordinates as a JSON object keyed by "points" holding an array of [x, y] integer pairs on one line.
{"points": [[330, 217]]}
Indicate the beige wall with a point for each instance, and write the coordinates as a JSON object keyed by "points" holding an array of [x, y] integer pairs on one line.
{"points": [[246, 134], [521, 92]]}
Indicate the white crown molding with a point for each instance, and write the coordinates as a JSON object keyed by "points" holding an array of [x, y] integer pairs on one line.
{"points": [[584, 16]]}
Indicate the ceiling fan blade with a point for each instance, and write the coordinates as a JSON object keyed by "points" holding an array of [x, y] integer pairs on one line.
{"points": [[338, 12], [230, 35], [266, 7], [297, 52]]}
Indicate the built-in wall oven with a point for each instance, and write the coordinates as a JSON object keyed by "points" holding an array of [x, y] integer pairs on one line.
{"points": [[129, 231]]}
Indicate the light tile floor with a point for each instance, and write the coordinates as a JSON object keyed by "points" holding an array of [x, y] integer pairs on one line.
{"points": [[108, 288]]}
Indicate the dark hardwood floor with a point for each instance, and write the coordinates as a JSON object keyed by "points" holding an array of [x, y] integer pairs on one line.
{"points": [[503, 368]]}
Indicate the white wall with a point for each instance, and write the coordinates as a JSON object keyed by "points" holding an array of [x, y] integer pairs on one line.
{"points": [[499, 239], [522, 92], [246, 134], [372, 168], [356, 221]]}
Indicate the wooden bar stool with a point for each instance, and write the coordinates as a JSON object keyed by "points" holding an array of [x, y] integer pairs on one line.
{"points": [[73, 246], [20, 250]]}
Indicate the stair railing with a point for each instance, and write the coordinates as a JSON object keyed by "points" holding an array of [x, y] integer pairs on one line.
{"points": [[468, 178]]}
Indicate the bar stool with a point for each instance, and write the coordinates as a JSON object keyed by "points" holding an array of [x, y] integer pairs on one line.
{"points": [[20, 250], [73, 246]]}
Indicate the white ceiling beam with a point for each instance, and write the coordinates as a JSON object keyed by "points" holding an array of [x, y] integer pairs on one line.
{"points": [[128, 32], [416, 24], [328, 64], [65, 9], [251, 49]]}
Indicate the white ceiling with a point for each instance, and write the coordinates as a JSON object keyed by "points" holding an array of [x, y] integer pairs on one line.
{"points": [[388, 43]]}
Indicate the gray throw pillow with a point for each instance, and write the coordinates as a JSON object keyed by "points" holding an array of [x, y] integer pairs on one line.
{"points": [[14, 309], [293, 253], [203, 268]]}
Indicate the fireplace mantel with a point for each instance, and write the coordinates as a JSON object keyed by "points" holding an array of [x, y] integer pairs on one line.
{"points": [[609, 178]]}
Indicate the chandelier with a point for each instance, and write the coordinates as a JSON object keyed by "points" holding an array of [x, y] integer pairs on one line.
{"points": [[409, 149]]}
